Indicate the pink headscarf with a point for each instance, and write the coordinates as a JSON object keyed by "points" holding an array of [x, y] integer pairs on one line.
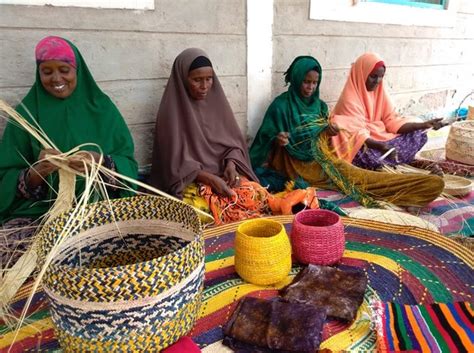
{"points": [[55, 48], [363, 114]]}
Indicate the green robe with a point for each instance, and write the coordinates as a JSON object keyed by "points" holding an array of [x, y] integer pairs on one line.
{"points": [[303, 118], [86, 116]]}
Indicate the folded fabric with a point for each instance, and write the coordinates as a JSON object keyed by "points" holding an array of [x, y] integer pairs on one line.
{"points": [[184, 344], [424, 328], [339, 292], [259, 325]]}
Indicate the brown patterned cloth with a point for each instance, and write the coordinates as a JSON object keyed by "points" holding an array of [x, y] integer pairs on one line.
{"points": [[339, 292], [259, 326]]}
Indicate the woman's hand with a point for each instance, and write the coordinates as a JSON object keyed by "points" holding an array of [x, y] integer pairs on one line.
{"points": [[217, 184], [332, 129], [282, 139], [383, 148], [231, 177], [77, 162], [42, 169], [434, 124]]}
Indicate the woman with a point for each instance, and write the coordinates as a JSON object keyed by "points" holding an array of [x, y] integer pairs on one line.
{"points": [[72, 110], [372, 133], [197, 139], [293, 141]]}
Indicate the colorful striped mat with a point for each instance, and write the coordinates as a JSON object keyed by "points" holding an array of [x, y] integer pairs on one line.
{"points": [[451, 217], [404, 265], [425, 328]]}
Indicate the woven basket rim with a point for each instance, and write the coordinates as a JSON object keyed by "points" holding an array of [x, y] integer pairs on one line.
{"points": [[262, 221], [81, 269], [317, 212], [465, 125], [193, 226]]}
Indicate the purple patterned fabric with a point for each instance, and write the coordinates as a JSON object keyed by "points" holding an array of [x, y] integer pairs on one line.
{"points": [[407, 145]]}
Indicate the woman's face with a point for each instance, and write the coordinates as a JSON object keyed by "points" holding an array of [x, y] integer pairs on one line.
{"points": [[309, 84], [200, 81], [58, 78], [374, 78]]}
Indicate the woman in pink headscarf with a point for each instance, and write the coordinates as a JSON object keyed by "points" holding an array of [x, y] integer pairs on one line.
{"points": [[372, 133]]}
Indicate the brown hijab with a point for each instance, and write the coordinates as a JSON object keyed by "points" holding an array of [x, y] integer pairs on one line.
{"points": [[193, 135]]}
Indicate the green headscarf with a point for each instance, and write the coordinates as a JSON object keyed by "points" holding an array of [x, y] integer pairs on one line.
{"points": [[86, 116], [304, 118]]}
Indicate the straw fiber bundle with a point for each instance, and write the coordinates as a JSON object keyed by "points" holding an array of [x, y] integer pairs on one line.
{"points": [[141, 265], [460, 144], [317, 237], [262, 251]]}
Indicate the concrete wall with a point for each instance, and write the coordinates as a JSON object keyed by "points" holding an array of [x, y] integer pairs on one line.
{"points": [[130, 53], [428, 67]]}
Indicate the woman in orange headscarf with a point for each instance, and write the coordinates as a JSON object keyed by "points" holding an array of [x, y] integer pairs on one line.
{"points": [[372, 133]]}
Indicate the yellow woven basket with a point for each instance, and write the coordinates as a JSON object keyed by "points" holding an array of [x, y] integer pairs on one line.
{"points": [[262, 251]]}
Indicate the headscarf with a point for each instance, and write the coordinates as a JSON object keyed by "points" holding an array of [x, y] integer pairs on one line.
{"points": [[54, 48], [86, 116], [362, 114], [304, 118], [193, 135]]}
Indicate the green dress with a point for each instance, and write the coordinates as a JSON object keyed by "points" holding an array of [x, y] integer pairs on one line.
{"points": [[86, 116]]}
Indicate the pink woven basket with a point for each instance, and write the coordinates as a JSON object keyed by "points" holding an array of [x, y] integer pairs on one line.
{"points": [[317, 237]]}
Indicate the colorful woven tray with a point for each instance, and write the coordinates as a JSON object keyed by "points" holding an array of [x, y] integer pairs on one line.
{"points": [[404, 265]]}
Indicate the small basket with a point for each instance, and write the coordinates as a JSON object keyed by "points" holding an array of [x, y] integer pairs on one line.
{"points": [[262, 251], [460, 144], [317, 237], [425, 159], [130, 279], [457, 186]]}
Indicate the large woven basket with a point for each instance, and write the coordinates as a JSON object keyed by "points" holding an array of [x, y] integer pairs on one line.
{"points": [[460, 144], [317, 237], [262, 251], [128, 280]]}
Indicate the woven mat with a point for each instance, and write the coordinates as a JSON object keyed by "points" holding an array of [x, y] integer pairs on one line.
{"points": [[404, 264], [451, 217]]}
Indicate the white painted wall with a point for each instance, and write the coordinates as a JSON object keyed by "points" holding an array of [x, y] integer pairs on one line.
{"points": [[251, 44], [259, 61]]}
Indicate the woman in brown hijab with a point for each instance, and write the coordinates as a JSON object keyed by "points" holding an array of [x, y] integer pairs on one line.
{"points": [[197, 138]]}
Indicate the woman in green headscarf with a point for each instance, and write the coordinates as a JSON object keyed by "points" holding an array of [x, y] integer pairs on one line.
{"points": [[293, 142], [72, 110]]}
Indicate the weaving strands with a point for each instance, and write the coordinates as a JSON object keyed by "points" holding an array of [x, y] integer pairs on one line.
{"points": [[249, 201], [425, 328], [326, 158], [403, 264]]}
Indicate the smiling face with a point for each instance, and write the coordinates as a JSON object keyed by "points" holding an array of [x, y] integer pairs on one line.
{"points": [[200, 82], [309, 84], [58, 78], [374, 78]]}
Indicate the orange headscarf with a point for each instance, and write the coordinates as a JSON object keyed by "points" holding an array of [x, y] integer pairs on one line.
{"points": [[362, 114]]}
